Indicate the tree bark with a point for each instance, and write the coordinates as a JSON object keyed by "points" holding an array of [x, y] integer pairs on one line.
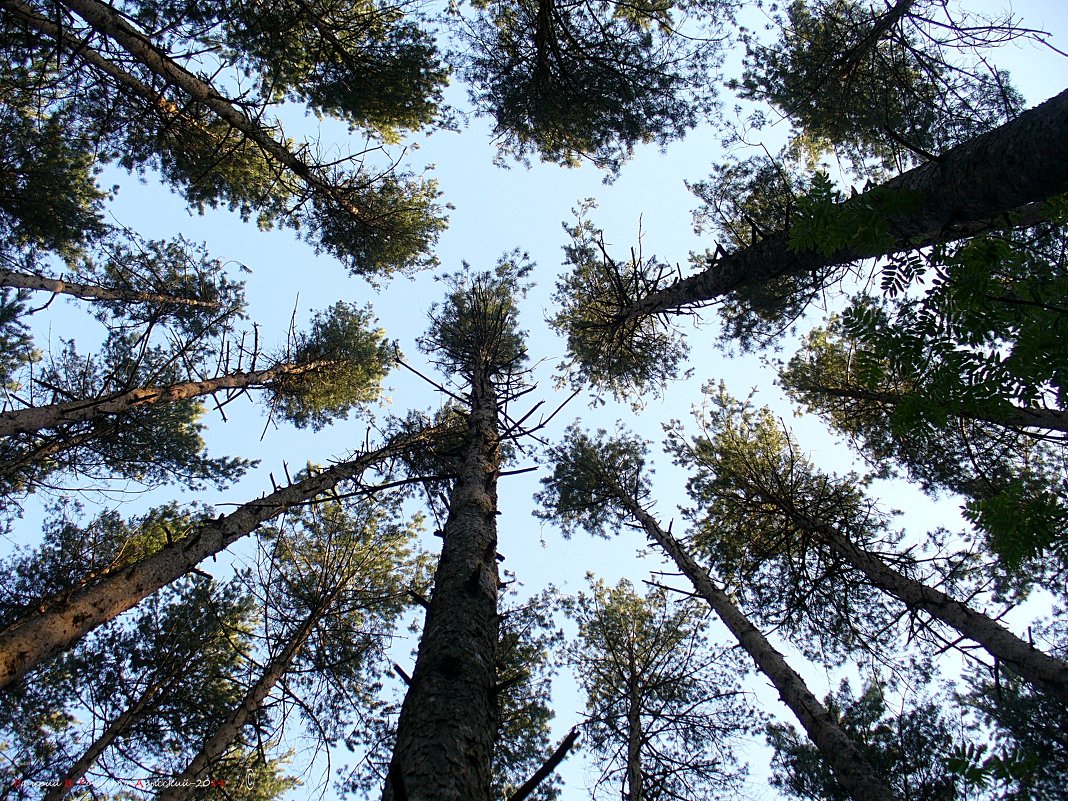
{"points": [[635, 788], [35, 418], [1040, 669], [63, 619], [17, 280], [852, 770], [967, 190], [448, 722], [184, 786]]}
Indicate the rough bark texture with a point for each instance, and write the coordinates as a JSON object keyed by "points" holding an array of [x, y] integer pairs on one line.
{"points": [[853, 772], [635, 782], [35, 418], [185, 785], [969, 189], [448, 722], [63, 619], [16, 280], [1039, 668]]}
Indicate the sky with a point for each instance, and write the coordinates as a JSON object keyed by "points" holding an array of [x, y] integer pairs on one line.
{"points": [[495, 211]]}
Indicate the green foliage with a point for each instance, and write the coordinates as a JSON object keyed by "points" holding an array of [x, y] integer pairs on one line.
{"points": [[653, 682], [570, 80], [623, 355], [526, 649], [309, 55], [963, 386], [49, 198], [590, 475], [912, 751], [475, 333], [176, 268], [1027, 756], [16, 343], [374, 218], [743, 201], [827, 222], [152, 444], [169, 670], [761, 510], [74, 551], [894, 97], [350, 362], [350, 563]]}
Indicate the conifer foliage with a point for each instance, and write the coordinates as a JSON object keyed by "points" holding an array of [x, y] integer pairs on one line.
{"points": [[247, 640]]}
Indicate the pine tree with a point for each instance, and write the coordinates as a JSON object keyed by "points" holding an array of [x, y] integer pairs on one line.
{"points": [[601, 485], [449, 720]]}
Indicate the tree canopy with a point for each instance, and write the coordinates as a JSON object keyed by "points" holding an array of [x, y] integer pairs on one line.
{"points": [[203, 205]]}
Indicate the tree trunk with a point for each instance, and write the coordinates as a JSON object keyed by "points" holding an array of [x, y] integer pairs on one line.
{"points": [[852, 770], [17, 280], [216, 745], [107, 21], [635, 788], [969, 189], [66, 617], [448, 722], [35, 418], [1040, 669], [107, 737]]}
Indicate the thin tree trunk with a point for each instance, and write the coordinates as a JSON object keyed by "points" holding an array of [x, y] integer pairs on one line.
{"points": [[66, 617], [216, 745], [35, 418], [107, 737], [969, 189], [852, 770], [448, 722], [857, 53], [1039, 668], [17, 280], [635, 788], [106, 20]]}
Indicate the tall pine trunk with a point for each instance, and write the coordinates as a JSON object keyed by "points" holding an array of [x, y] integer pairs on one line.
{"points": [[35, 418], [852, 770], [1040, 669], [185, 786], [448, 722], [969, 189], [63, 619]]}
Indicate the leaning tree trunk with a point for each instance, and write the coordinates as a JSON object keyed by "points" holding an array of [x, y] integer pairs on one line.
{"points": [[969, 189], [448, 722], [1034, 666], [185, 786], [106, 20], [17, 280], [837, 749], [64, 618], [111, 732], [35, 418]]}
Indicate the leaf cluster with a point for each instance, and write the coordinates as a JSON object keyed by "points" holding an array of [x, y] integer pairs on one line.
{"points": [[613, 351]]}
